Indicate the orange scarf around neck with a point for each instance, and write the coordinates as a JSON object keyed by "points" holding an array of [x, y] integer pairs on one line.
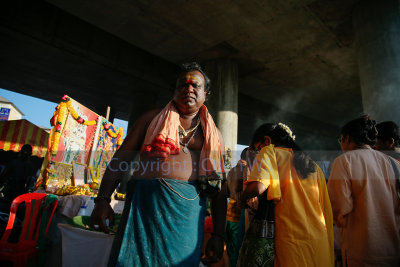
{"points": [[162, 140]]}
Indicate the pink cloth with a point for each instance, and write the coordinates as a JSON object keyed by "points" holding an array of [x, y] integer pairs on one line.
{"points": [[364, 197]]}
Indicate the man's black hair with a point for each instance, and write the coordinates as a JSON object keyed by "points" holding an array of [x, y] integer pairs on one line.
{"points": [[192, 66], [387, 130], [27, 149], [361, 130], [243, 154]]}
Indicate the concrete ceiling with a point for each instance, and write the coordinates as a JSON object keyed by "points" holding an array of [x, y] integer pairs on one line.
{"points": [[298, 55]]}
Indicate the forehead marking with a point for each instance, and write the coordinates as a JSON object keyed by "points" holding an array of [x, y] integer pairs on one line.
{"points": [[192, 78]]}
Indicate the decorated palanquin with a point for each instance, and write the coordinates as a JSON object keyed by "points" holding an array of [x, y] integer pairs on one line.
{"points": [[81, 144]]}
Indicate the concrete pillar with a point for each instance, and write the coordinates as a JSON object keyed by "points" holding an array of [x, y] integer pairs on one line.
{"points": [[223, 101], [377, 34]]}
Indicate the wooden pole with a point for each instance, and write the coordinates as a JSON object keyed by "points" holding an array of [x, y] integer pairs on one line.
{"points": [[108, 112]]}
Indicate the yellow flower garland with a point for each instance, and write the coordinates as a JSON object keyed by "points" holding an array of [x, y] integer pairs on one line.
{"points": [[114, 135], [119, 140], [75, 115], [95, 179], [59, 118]]}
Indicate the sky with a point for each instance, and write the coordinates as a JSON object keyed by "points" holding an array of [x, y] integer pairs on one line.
{"points": [[39, 111]]}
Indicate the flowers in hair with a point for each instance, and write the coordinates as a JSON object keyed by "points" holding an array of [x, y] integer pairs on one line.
{"points": [[287, 130]]}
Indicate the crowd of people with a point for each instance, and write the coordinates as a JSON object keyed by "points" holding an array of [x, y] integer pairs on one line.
{"points": [[281, 211], [360, 202]]}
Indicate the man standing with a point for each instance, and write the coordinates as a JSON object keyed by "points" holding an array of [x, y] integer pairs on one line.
{"points": [[364, 194], [234, 210], [388, 139], [179, 146], [18, 173]]}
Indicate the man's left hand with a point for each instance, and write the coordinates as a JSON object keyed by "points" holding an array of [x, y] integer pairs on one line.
{"points": [[214, 249]]}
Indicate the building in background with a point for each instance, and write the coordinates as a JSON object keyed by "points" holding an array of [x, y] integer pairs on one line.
{"points": [[8, 111]]}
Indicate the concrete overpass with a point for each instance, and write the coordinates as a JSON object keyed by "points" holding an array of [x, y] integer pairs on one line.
{"points": [[313, 64]]}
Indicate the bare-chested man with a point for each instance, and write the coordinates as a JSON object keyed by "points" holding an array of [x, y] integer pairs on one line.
{"points": [[179, 146]]}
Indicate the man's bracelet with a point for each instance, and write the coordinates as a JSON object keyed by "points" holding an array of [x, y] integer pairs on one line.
{"points": [[221, 236], [102, 198]]}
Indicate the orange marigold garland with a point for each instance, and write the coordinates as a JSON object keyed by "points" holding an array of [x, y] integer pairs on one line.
{"points": [[76, 115], [57, 121], [114, 135], [59, 117]]}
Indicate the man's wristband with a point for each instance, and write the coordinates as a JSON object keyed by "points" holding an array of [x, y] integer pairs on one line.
{"points": [[101, 198], [221, 236]]}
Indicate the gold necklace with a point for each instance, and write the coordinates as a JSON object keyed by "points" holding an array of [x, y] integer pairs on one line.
{"points": [[184, 132], [185, 149]]}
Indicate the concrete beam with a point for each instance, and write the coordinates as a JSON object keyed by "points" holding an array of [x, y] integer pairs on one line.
{"points": [[46, 52]]}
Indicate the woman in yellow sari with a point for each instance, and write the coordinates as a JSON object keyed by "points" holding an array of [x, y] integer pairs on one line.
{"points": [[289, 178]]}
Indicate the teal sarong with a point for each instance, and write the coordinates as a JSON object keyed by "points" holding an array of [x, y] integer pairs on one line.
{"points": [[161, 227], [231, 239]]}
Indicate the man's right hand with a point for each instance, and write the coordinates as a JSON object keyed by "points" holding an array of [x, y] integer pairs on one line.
{"points": [[214, 250], [101, 213]]}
